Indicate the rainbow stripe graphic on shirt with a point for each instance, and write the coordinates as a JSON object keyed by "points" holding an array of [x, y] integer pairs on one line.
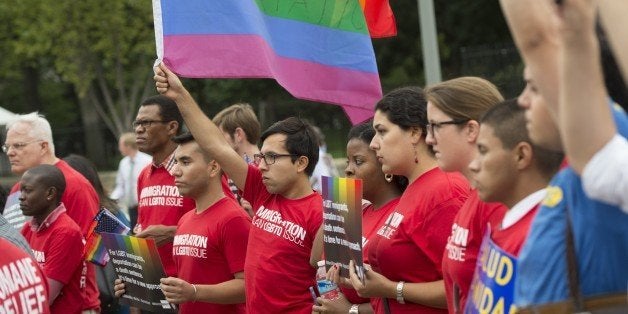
{"points": [[342, 222]]}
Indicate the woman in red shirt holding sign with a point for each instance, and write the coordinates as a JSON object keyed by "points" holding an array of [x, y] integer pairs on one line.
{"points": [[381, 196], [406, 252]]}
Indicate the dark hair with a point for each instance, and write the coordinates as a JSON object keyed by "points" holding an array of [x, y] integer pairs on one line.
{"points": [[49, 176], [168, 109], [183, 138], [509, 125], [187, 137], [301, 140], [405, 107], [87, 168], [365, 133]]}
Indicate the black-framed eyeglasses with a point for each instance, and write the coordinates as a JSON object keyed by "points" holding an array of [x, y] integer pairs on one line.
{"points": [[434, 126], [17, 146], [146, 123], [270, 158]]}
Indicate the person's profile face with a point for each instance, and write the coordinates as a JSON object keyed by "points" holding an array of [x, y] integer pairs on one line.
{"points": [[493, 169], [191, 171], [362, 164], [154, 135], [35, 199], [24, 151], [279, 172], [541, 126], [393, 146]]}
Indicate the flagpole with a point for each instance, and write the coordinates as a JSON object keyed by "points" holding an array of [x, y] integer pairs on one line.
{"points": [[429, 43]]}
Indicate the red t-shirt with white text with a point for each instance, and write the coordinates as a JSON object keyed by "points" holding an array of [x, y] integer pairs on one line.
{"points": [[160, 204], [25, 286], [58, 248], [409, 246], [209, 248], [463, 245], [277, 270]]}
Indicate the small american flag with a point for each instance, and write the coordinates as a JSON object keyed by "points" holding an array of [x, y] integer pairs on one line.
{"points": [[104, 221]]}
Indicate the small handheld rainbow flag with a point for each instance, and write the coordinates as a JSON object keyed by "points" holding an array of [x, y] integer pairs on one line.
{"points": [[104, 221]]}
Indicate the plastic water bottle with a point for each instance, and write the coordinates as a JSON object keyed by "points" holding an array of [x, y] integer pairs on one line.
{"points": [[327, 289]]}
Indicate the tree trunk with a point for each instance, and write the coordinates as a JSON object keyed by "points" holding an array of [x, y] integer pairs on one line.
{"points": [[30, 77], [93, 132]]}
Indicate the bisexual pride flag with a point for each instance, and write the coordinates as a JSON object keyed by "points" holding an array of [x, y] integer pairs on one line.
{"points": [[104, 221], [317, 50]]}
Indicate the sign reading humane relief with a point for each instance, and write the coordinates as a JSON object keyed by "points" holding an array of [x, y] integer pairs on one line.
{"points": [[342, 223], [136, 261], [493, 285]]}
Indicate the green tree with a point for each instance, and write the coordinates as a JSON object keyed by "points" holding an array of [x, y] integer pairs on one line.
{"points": [[103, 49]]}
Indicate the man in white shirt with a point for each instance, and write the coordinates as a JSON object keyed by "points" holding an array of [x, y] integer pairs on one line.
{"points": [[125, 191]]}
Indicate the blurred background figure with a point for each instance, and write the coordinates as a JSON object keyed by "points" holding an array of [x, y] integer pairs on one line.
{"points": [[242, 130], [325, 165], [125, 191]]}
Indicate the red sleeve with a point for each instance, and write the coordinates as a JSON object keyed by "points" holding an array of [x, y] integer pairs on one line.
{"points": [[235, 237], [81, 203], [64, 254], [254, 189], [435, 229]]}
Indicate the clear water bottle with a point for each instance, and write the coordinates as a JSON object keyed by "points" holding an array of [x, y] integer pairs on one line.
{"points": [[327, 289]]}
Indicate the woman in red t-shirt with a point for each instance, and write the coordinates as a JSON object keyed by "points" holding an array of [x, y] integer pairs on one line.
{"points": [[405, 253], [382, 195], [454, 108]]}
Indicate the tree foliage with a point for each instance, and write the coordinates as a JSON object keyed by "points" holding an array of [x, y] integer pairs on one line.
{"points": [[104, 49]]}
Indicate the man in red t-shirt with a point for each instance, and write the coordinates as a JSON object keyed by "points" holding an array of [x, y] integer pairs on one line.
{"points": [[160, 206], [210, 241], [31, 297], [287, 211], [28, 144], [56, 240], [508, 169]]}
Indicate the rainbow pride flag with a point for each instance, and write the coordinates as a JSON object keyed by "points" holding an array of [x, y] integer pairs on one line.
{"points": [[342, 223], [317, 50], [104, 221]]}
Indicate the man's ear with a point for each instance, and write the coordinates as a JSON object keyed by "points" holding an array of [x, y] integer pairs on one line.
{"points": [[238, 135], [302, 162], [173, 127], [214, 168], [523, 154], [51, 193]]}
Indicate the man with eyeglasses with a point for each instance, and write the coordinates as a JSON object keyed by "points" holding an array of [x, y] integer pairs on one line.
{"points": [[160, 206], [287, 211], [29, 144]]}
